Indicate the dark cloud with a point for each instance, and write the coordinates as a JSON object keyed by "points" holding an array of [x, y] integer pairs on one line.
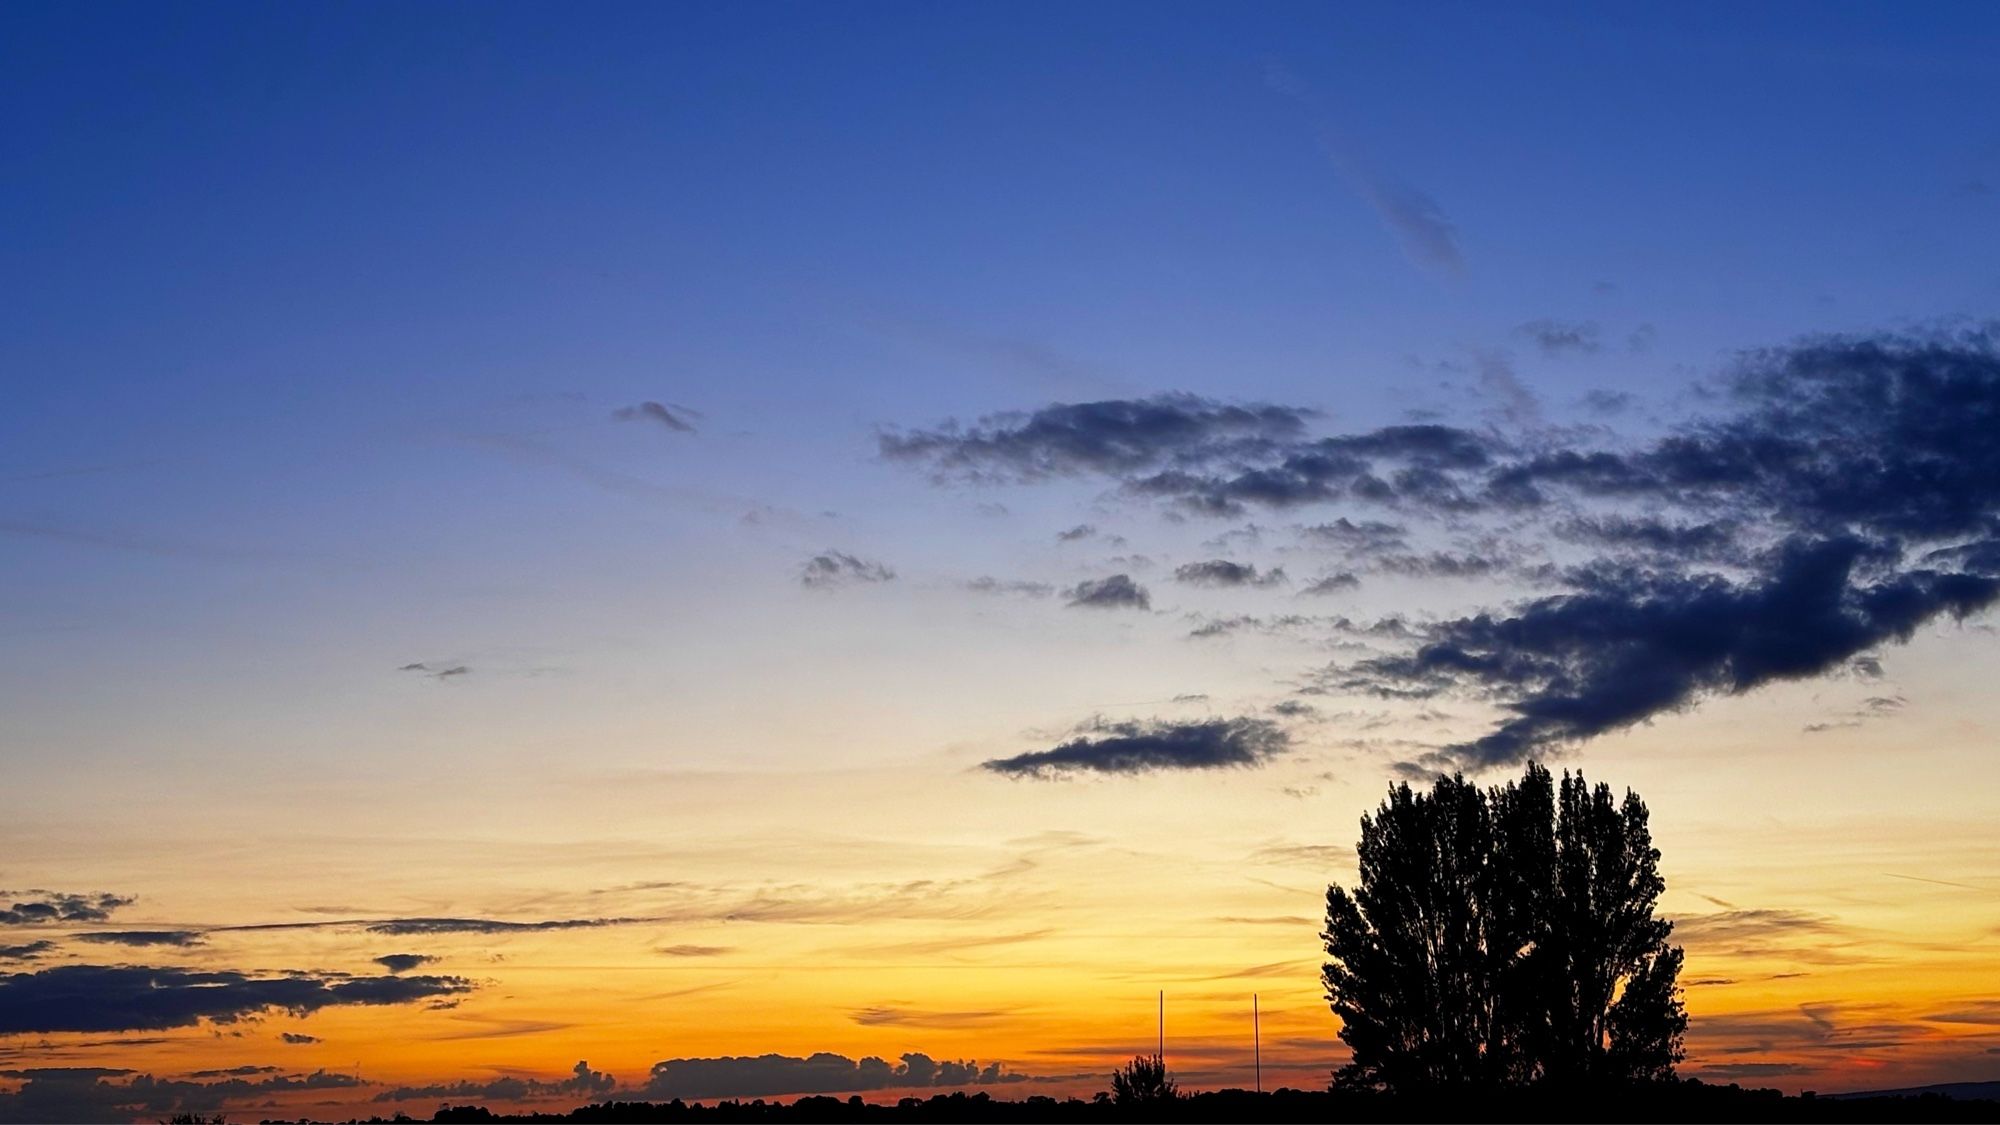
{"points": [[674, 418], [298, 1039], [830, 569], [898, 1015], [140, 998], [695, 950], [403, 962], [1441, 564], [1149, 747], [1080, 531], [1366, 537], [1835, 496], [84, 1094], [583, 1083], [1332, 583], [1115, 592], [33, 908], [406, 927], [444, 672], [27, 952], [1222, 572], [988, 585], [1634, 643], [1557, 337], [181, 938], [1114, 437], [820, 1073], [1607, 402]]}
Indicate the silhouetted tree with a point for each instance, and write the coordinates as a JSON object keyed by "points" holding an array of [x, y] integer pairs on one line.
{"points": [[1504, 937], [1142, 1082]]}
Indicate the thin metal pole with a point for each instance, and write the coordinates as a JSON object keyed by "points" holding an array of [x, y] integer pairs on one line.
{"points": [[1257, 1042], [1161, 1054]]}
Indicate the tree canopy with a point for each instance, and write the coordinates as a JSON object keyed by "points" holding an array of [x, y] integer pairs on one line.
{"points": [[1504, 937]]}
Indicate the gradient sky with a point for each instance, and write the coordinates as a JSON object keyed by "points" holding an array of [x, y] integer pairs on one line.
{"points": [[523, 468]]}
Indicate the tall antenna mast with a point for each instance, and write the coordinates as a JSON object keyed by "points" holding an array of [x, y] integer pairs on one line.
{"points": [[1257, 1042], [1161, 1054]]}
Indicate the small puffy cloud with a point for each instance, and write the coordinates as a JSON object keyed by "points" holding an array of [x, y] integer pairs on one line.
{"points": [[1116, 592], [1556, 337], [298, 1039], [675, 418], [33, 908], [1150, 747], [403, 962], [26, 952], [1222, 572], [985, 584], [1116, 436], [1332, 583], [830, 569]]}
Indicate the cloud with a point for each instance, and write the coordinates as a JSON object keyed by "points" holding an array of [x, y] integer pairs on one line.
{"points": [[896, 1015], [181, 938], [1635, 643], [406, 927], [1420, 226], [140, 998], [673, 419], [831, 569], [820, 1073], [403, 962], [583, 1083], [1080, 531], [695, 950], [444, 672], [1367, 537], [1556, 337], [84, 1094], [1834, 496], [1113, 437], [1332, 583], [1148, 747], [1222, 572], [988, 585], [33, 908], [1116, 592], [297, 1039], [27, 952]]}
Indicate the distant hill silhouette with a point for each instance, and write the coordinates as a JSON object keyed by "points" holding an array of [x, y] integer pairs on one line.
{"points": [[1958, 1091]]}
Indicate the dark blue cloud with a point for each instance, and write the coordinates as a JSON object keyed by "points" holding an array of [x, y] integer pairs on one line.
{"points": [[31, 908], [820, 1073], [140, 998], [1148, 747]]}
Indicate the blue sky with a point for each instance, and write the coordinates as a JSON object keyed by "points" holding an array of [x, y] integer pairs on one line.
{"points": [[315, 321]]}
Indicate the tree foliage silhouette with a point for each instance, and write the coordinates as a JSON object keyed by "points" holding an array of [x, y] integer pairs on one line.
{"points": [[1504, 937], [1142, 1082]]}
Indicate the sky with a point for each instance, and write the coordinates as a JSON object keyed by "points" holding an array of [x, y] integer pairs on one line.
{"points": [[555, 552]]}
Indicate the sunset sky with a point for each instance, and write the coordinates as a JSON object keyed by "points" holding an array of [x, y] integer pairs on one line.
{"points": [[562, 552]]}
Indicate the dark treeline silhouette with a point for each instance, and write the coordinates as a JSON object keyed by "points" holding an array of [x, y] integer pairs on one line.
{"points": [[1497, 960], [1685, 1100]]}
